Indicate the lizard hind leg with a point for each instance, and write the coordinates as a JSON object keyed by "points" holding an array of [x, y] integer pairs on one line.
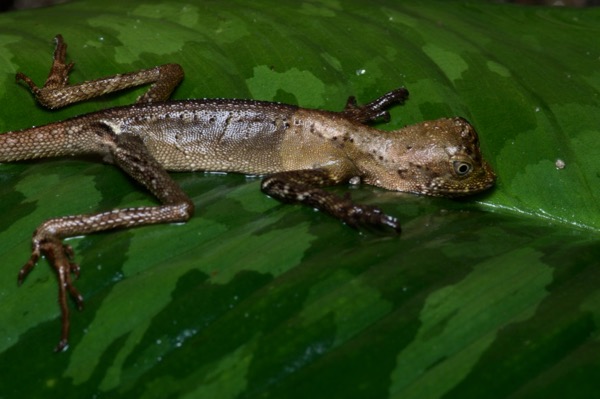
{"points": [[58, 93], [133, 158]]}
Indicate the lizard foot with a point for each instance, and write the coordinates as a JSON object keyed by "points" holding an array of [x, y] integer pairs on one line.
{"points": [[295, 187], [49, 95], [355, 215], [60, 258], [376, 109]]}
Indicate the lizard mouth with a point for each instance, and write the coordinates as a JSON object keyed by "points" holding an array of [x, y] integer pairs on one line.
{"points": [[482, 181], [462, 192]]}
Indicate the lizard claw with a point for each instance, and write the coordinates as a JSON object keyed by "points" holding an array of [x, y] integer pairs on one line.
{"points": [[62, 345]]}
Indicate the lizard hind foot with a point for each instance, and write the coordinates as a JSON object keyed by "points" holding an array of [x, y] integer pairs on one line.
{"points": [[60, 257], [58, 78], [59, 72]]}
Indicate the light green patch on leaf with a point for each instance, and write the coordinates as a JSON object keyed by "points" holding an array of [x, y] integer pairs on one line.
{"points": [[374, 68], [206, 382], [31, 185], [590, 166], [498, 68], [581, 123], [554, 201], [190, 235], [318, 10], [143, 34], [56, 186], [271, 253], [6, 57], [112, 378], [331, 60], [428, 98], [400, 17], [250, 198], [107, 327], [532, 42], [450, 62], [306, 87], [463, 319], [354, 304], [231, 29], [231, 368], [437, 380], [26, 306], [182, 14]]}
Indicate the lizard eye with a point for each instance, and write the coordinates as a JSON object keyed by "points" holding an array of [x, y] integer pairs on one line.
{"points": [[462, 168]]}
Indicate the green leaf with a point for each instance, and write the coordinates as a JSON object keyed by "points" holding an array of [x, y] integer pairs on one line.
{"points": [[494, 296]]}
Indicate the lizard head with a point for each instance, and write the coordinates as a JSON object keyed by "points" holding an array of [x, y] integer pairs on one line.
{"points": [[439, 158]]}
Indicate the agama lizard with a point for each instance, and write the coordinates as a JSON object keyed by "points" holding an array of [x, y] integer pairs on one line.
{"points": [[298, 151]]}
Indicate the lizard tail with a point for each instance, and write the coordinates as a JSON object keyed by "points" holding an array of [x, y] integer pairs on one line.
{"points": [[53, 140]]}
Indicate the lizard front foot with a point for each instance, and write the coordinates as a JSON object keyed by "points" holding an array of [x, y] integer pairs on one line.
{"points": [[375, 109], [60, 257], [355, 215]]}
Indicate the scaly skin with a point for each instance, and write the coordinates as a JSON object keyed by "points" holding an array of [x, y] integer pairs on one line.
{"points": [[298, 150]]}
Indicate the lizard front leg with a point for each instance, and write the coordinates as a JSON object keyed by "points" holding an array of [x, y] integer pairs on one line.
{"points": [[128, 152], [57, 92], [303, 186]]}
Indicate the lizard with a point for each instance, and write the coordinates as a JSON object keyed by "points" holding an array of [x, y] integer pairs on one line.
{"points": [[298, 152]]}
